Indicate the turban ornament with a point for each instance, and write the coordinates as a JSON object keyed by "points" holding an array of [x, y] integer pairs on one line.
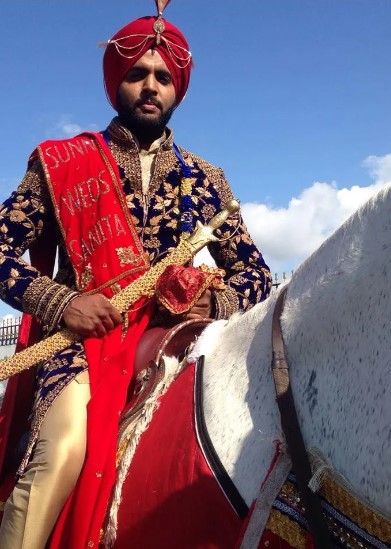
{"points": [[158, 25], [135, 39]]}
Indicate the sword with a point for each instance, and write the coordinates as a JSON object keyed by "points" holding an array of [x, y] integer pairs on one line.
{"points": [[143, 286]]}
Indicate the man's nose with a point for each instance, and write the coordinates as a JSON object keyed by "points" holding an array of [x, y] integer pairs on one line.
{"points": [[150, 83]]}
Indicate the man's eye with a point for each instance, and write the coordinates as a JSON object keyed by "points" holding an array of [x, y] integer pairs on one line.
{"points": [[134, 77], [165, 79]]}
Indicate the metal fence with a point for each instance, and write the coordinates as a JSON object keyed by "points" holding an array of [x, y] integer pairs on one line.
{"points": [[277, 279], [9, 329]]}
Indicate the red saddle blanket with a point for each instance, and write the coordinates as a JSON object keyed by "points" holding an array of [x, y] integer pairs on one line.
{"points": [[177, 494]]}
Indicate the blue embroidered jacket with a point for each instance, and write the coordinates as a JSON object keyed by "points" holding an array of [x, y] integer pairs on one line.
{"points": [[28, 215]]}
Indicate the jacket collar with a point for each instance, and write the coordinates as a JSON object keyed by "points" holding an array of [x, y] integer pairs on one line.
{"points": [[122, 136]]}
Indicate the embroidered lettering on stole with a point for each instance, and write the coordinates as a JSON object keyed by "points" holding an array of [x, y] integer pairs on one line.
{"points": [[90, 207]]}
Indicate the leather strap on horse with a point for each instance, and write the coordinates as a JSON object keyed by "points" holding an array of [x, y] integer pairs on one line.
{"points": [[293, 436]]}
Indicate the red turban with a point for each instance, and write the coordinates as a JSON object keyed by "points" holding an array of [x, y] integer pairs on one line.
{"points": [[133, 41]]}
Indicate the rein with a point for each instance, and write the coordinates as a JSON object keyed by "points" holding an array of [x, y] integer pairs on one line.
{"points": [[293, 435]]}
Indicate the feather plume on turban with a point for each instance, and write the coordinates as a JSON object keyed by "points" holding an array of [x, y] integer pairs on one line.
{"points": [[133, 41]]}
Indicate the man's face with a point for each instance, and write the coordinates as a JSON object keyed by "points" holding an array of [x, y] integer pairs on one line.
{"points": [[146, 97]]}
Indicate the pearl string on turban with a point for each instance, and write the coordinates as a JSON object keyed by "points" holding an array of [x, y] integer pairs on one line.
{"points": [[132, 41]]}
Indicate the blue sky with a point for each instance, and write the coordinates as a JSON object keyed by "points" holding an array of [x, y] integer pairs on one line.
{"points": [[290, 97]]}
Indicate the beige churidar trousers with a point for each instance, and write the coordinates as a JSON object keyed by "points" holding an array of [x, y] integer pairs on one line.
{"points": [[39, 495]]}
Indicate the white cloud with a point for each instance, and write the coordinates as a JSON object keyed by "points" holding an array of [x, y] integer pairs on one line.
{"points": [[379, 167], [66, 127], [286, 236]]}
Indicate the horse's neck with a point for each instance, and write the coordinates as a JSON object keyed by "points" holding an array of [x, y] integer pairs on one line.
{"points": [[337, 336], [336, 329]]}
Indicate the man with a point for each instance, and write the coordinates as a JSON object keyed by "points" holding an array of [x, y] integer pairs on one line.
{"points": [[113, 204]]}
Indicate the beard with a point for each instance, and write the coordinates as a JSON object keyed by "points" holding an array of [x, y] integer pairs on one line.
{"points": [[145, 128]]}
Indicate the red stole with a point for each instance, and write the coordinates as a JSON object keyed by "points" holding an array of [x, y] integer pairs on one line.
{"points": [[91, 211], [111, 366], [102, 243]]}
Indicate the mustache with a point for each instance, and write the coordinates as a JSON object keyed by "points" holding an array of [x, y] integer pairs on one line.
{"points": [[150, 99]]}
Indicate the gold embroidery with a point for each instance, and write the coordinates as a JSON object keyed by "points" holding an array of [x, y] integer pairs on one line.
{"points": [[239, 266], [126, 156], [214, 176], [55, 307], [4, 230], [86, 193], [345, 503], [36, 290], [217, 283], [227, 303], [360, 513], [63, 151], [152, 242], [17, 216], [52, 379], [47, 300], [208, 211], [126, 153], [120, 229], [20, 212], [33, 182], [86, 277], [238, 279], [103, 230], [127, 256], [286, 529], [56, 319], [115, 288]]}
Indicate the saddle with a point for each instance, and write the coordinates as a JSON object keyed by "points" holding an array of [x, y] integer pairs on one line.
{"points": [[149, 364]]}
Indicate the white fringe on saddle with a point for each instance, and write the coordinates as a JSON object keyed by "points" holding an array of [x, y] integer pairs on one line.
{"points": [[320, 466]]}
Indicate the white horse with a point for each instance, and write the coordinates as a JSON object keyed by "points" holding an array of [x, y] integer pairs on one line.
{"points": [[336, 328]]}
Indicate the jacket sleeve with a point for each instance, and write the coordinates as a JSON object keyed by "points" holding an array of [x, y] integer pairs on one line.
{"points": [[247, 277], [24, 219]]}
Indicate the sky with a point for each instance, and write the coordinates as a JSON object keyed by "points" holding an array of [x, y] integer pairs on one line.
{"points": [[290, 97]]}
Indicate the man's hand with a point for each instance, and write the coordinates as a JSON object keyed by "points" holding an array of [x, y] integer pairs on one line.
{"points": [[91, 316], [201, 309]]}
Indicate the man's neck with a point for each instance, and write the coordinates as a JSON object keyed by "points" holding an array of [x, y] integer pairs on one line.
{"points": [[148, 145], [145, 145], [144, 140]]}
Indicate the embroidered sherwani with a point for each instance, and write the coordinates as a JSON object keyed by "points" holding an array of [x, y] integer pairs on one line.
{"points": [[27, 217]]}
